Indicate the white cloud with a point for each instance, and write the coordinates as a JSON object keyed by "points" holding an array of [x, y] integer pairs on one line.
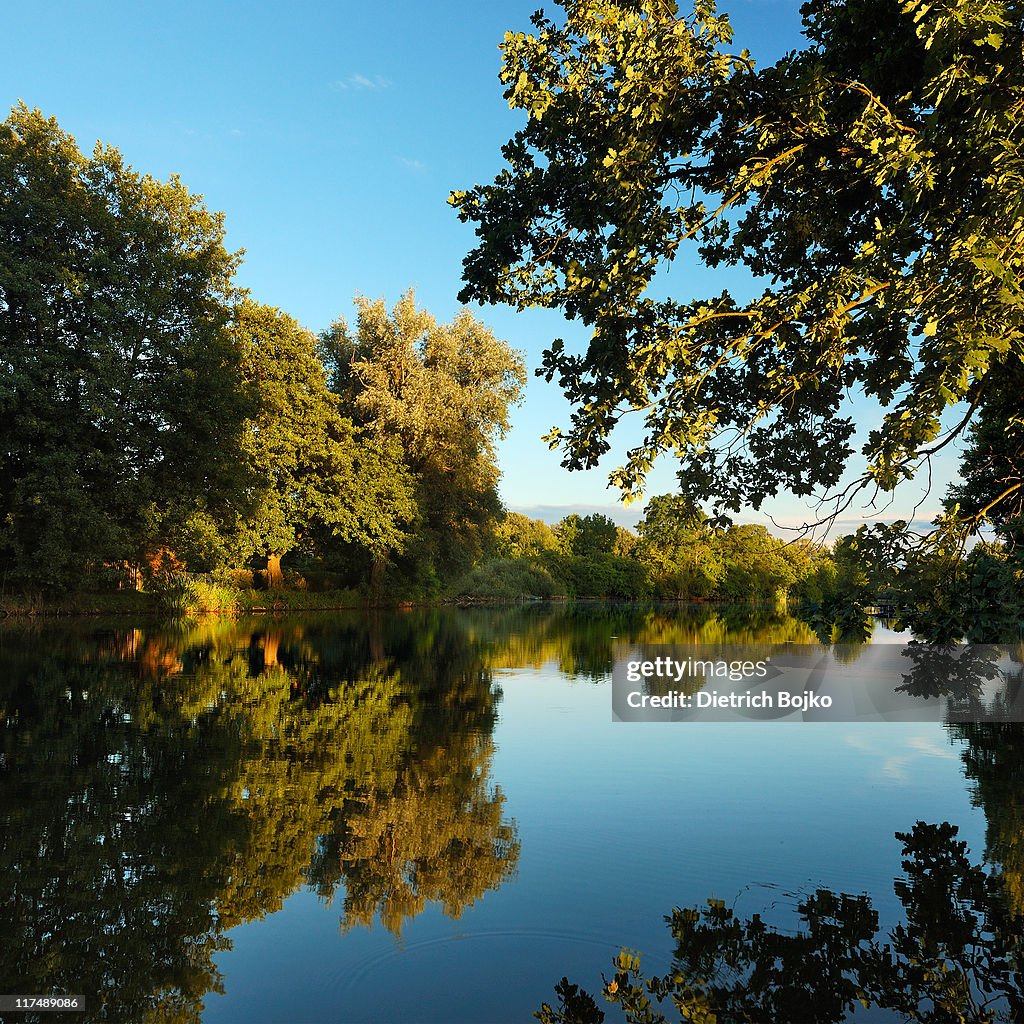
{"points": [[358, 82], [896, 765], [929, 747]]}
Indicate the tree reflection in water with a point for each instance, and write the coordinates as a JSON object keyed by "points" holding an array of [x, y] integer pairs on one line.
{"points": [[160, 787], [955, 959]]}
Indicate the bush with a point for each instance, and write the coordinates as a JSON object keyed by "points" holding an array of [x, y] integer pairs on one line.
{"points": [[233, 579], [599, 576], [508, 579], [185, 596]]}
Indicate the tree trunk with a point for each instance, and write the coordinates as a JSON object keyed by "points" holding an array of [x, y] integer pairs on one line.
{"points": [[275, 578], [377, 567], [376, 638]]}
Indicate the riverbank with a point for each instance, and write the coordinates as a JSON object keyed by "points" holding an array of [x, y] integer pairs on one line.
{"points": [[194, 600], [209, 599]]}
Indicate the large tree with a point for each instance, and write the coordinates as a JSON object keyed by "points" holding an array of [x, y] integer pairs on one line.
{"points": [[445, 391], [120, 389], [678, 547], [315, 476], [872, 180]]}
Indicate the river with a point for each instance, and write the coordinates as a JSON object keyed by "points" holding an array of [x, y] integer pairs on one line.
{"points": [[430, 815]]}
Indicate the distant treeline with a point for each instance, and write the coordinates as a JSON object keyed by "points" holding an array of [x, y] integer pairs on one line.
{"points": [[677, 554]]}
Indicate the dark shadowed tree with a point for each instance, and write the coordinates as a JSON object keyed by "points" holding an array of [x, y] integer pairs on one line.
{"points": [[991, 489], [120, 390], [955, 957]]}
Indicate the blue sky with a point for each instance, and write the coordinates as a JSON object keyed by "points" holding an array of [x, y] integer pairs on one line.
{"points": [[331, 136]]}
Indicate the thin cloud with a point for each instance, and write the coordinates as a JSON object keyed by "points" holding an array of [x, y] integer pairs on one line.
{"points": [[413, 165], [894, 765], [358, 82]]}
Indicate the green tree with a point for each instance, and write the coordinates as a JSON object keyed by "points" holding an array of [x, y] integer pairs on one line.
{"points": [[678, 548], [587, 536], [625, 542], [836, 591], [518, 536], [445, 391], [872, 179], [756, 567], [991, 486], [120, 393], [314, 475]]}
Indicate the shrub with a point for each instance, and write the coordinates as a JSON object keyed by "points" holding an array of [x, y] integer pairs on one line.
{"points": [[508, 579]]}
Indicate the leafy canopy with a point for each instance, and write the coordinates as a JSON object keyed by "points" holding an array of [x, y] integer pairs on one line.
{"points": [[120, 388], [872, 180], [444, 390], [312, 472]]}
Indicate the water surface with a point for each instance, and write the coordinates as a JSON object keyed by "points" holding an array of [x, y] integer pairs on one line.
{"points": [[425, 816]]}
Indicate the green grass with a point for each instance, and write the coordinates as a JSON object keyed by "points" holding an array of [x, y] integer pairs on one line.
{"points": [[118, 602], [184, 599]]}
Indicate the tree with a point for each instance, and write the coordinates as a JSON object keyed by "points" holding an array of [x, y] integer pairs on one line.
{"points": [[587, 536], [120, 392], [313, 472], [677, 546], [625, 542], [991, 486], [445, 391], [756, 567], [518, 536], [872, 179]]}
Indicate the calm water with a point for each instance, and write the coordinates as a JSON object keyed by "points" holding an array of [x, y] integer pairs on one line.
{"points": [[430, 816]]}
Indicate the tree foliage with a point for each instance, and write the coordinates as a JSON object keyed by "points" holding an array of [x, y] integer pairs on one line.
{"points": [[445, 391], [153, 414], [518, 536], [120, 397], [871, 179], [313, 475], [587, 536], [991, 488], [677, 546]]}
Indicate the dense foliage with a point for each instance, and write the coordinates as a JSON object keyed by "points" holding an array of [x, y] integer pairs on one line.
{"points": [[443, 391], [871, 179], [677, 555], [155, 420], [121, 396]]}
